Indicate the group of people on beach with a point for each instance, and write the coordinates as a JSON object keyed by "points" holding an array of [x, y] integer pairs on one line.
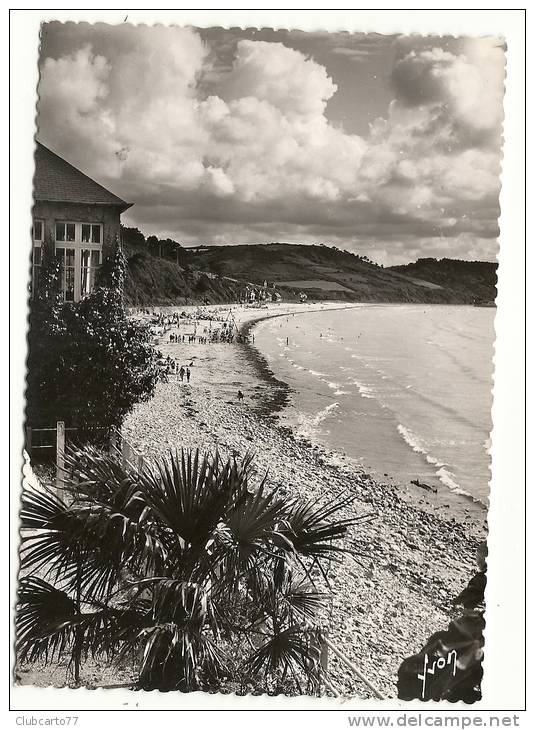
{"points": [[162, 322], [168, 366], [225, 335], [189, 338]]}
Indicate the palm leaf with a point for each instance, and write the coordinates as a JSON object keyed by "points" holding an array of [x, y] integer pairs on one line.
{"points": [[310, 531], [49, 624], [286, 650], [101, 477], [104, 541], [243, 544], [188, 493], [45, 620], [302, 598]]}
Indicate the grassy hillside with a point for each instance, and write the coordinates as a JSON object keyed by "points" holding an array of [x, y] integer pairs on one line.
{"points": [[151, 280], [328, 273], [219, 273], [476, 277]]}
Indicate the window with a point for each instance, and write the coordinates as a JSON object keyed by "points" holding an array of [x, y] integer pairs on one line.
{"points": [[65, 231], [90, 265], [37, 236], [79, 246], [36, 267], [90, 233], [67, 258]]}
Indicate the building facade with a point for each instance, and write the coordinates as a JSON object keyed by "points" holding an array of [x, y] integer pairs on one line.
{"points": [[74, 217]]}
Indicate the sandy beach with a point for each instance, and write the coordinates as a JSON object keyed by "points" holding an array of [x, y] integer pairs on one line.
{"points": [[417, 557]]}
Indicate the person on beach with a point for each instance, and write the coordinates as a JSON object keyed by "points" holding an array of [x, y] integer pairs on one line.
{"points": [[182, 372], [240, 395], [188, 374]]}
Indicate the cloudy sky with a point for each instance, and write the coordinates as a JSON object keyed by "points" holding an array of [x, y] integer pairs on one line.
{"points": [[387, 146]]}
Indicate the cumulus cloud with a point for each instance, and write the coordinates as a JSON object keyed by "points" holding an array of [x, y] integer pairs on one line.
{"points": [[279, 75], [260, 157], [469, 84]]}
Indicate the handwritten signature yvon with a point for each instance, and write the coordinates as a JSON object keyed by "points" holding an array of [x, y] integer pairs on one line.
{"points": [[438, 665]]}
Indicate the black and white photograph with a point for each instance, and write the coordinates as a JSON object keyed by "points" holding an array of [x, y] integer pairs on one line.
{"points": [[262, 282]]}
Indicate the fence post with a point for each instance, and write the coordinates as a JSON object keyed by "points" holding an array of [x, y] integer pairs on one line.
{"points": [[60, 453], [28, 444], [324, 650]]}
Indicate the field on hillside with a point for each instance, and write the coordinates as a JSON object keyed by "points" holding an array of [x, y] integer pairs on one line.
{"points": [[314, 284]]}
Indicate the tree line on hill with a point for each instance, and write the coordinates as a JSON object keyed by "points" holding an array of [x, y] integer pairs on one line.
{"points": [[167, 248]]}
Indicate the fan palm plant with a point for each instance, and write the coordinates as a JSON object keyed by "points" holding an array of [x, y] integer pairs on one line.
{"points": [[181, 568]]}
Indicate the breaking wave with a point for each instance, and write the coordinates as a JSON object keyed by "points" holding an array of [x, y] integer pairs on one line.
{"points": [[364, 390], [308, 424], [446, 477]]}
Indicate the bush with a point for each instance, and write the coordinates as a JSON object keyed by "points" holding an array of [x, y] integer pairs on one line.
{"points": [[182, 569], [88, 364], [202, 284]]}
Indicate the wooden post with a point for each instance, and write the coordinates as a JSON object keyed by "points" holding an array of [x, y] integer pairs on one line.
{"points": [[60, 453], [324, 651]]}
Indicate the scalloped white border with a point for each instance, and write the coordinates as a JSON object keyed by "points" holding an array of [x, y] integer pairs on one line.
{"points": [[503, 687]]}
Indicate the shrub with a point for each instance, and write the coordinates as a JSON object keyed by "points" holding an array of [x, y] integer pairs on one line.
{"points": [[88, 364], [183, 569]]}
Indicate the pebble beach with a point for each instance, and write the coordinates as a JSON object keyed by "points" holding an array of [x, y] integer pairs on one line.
{"points": [[417, 558]]}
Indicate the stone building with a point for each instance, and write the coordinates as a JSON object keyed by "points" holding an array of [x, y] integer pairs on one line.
{"points": [[74, 217]]}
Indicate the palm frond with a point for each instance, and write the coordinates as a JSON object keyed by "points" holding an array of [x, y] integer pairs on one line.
{"points": [[45, 620], [94, 475], [302, 598], [189, 493], [243, 544], [309, 530], [173, 657], [285, 650], [58, 539], [49, 623], [252, 521]]}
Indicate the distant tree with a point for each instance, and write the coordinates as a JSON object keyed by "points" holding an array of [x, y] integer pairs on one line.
{"points": [[132, 237], [88, 363], [153, 245], [171, 249]]}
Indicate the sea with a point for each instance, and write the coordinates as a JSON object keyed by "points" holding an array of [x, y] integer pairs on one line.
{"points": [[403, 390]]}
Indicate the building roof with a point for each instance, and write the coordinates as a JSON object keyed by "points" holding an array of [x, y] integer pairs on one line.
{"points": [[56, 180]]}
